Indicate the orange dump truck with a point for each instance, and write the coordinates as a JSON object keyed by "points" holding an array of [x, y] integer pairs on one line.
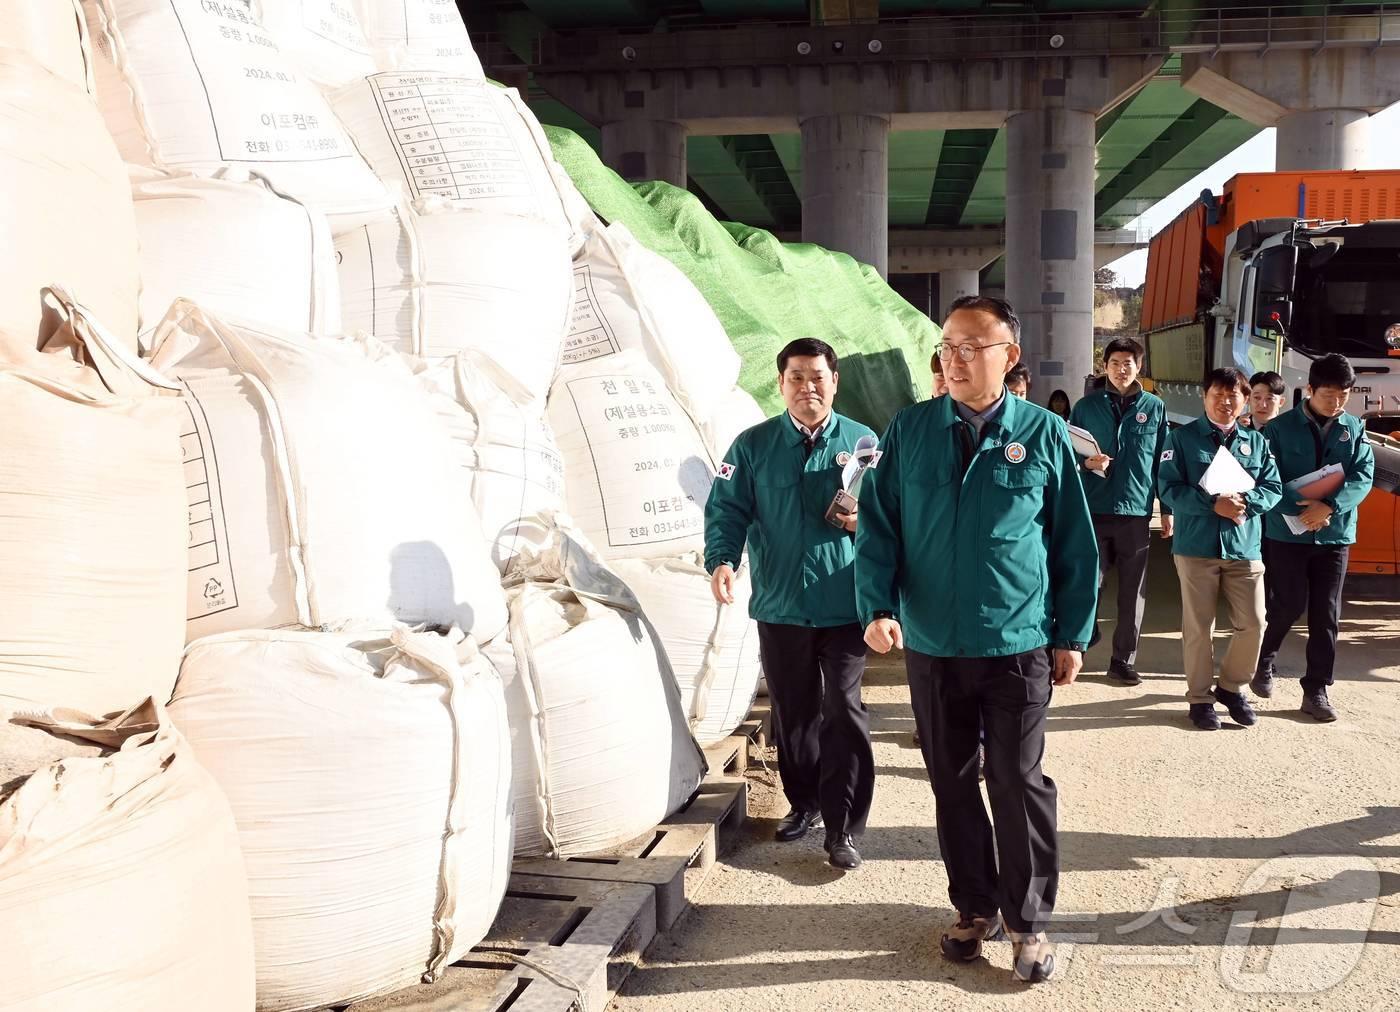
{"points": [[1278, 269]]}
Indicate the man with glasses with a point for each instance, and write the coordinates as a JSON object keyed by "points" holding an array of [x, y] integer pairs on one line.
{"points": [[975, 553]]}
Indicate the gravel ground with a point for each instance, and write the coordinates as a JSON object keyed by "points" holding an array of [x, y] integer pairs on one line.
{"points": [[1248, 868]]}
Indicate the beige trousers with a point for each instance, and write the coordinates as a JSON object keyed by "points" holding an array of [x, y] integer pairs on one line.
{"points": [[1202, 582]]}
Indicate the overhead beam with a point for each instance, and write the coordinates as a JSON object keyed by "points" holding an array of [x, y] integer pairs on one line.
{"points": [[959, 164], [1185, 130], [758, 160]]}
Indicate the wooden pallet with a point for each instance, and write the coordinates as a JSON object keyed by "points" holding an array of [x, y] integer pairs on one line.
{"points": [[674, 859], [557, 945]]}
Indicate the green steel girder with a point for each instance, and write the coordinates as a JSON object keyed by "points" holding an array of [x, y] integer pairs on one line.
{"points": [[959, 167], [758, 160], [1183, 132]]}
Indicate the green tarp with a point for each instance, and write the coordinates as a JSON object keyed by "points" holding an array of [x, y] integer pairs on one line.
{"points": [[766, 292]]}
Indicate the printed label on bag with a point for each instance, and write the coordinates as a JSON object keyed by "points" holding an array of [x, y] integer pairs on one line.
{"points": [[590, 334], [211, 584]]}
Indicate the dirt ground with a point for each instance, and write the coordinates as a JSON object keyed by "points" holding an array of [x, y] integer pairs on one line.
{"points": [[1247, 868]]}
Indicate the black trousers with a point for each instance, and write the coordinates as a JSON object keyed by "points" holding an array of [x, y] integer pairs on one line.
{"points": [[1007, 698], [819, 720], [1123, 543], [1300, 578]]}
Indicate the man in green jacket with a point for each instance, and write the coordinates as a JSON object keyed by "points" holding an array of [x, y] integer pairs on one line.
{"points": [[1306, 567], [1130, 425], [1216, 545], [975, 553], [774, 489]]}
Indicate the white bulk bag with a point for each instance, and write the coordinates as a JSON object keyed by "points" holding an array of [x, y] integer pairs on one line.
{"points": [[66, 205], [419, 35], [192, 85], [516, 470], [636, 471], [736, 412], [121, 883], [53, 33], [235, 248], [628, 298], [92, 522], [602, 751], [437, 283], [321, 38], [713, 647], [431, 134], [323, 491], [582, 221], [370, 781]]}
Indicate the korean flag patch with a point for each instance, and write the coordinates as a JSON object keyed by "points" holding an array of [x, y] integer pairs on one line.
{"points": [[726, 471], [1167, 455]]}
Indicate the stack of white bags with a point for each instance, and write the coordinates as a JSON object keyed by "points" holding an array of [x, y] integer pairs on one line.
{"points": [[352, 478]]}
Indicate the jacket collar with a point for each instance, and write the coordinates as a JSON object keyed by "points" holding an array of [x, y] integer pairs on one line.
{"points": [[1011, 407], [794, 435]]}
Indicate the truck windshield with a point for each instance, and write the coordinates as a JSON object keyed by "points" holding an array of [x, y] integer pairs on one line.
{"points": [[1347, 304]]}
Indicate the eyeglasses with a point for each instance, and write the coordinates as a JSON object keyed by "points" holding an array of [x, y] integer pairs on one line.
{"points": [[966, 352]]}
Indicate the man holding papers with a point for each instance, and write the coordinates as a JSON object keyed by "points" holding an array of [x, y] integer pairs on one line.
{"points": [[1128, 426], [1218, 479], [1327, 466], [775, 490]]}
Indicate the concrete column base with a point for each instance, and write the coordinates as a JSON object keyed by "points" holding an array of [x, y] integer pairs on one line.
{"points": [[642, 149], [845, 185]]}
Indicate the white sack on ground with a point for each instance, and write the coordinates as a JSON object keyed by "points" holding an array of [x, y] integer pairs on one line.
{"points": [[419, 35], [432, 134], [713, 647], [323, 490], [601, 748], [236, 248], [627, 298], [92, 522], [66, 205], [121, 883], [736, 412], [197, 86], [436, 283], [321, 38], [582, 221], [515, 467], [636, 471], [371, 784], [51, 32]]}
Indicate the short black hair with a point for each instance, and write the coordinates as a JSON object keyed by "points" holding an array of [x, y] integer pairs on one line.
{"points": [[1119, 345], [1331, 371], [1227, 377], [806, 347], [1270, 379], [1018, 373], [999, 308]]}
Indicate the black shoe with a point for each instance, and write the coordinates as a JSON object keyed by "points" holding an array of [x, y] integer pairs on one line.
{"points": [[841, 852], [795, 824], [1317, 706], [1203, 716], [1262, 684], [963, 941], [1123, 673], [1240, 710]]}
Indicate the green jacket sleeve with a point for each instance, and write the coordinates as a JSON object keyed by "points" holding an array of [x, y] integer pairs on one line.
{"points": [[1073, 552], [1162, 432], [1176, 491], [1268, 486], [878, 547], [729, 511], [1360, 473]]}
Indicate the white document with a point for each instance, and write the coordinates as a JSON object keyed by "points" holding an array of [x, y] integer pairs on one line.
{"points": [[1225, 476], [862, 459], [1295, 524], [1083, 441]]}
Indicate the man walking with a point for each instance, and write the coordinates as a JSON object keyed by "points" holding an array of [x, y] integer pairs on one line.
{"points": [[975, 553], [1130, 425], [1216, 545], [1306, 567], [773, 489]]}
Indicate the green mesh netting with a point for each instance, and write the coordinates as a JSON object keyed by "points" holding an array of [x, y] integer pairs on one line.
{"points": [[766, 292]]}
